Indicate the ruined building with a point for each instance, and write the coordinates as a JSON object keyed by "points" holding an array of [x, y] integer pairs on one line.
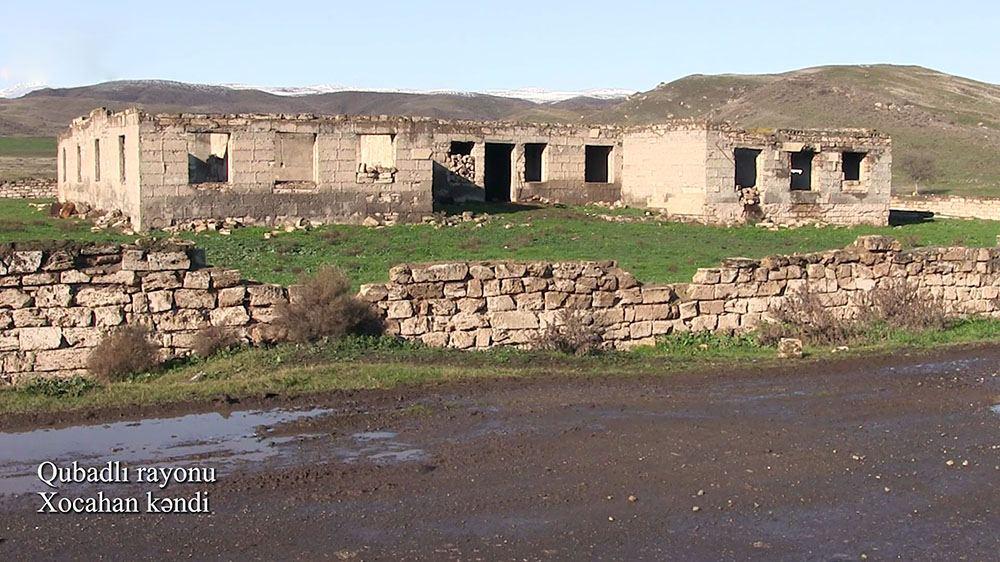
{"points": [[166, 169]]}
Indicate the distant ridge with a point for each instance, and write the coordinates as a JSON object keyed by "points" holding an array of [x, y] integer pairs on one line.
{"points": [[952, 120]]}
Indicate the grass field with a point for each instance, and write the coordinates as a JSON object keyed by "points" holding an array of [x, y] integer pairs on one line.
{"points": [[655, 251], [27, 157], [366, 363], [28, 146]]}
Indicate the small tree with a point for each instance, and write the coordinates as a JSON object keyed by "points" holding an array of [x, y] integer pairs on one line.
{"points": [[919, 168]]}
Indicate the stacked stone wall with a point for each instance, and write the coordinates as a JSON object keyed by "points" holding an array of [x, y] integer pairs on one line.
{"points": [[57, 303], [950, 206], [29, 188], [485, 304]]}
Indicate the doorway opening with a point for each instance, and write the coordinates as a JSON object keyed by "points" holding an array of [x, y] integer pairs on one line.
{"points": [[497, 171]]}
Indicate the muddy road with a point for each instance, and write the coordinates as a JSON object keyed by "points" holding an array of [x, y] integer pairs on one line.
{"points": [[880, 458]]}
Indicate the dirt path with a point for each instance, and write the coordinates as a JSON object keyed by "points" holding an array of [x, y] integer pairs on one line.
{"points": [[848, 460]]}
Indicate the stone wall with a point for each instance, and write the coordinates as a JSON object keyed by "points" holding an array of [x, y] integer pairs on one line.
{"points": [[688, 169], [561, 158], [168, 169], [484, 304], [97, 162], [950, 206], [56, 303], [29, 188]]}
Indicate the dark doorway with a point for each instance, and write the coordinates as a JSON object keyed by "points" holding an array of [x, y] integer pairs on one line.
{"points": [[597, 164], [497, 171], [746, 166], [534, 161], [802, 170]]}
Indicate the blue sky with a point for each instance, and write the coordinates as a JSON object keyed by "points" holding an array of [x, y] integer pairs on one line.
{"points": [[428, 44]]}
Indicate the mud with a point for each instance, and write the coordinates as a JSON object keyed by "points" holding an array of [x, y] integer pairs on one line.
{"points": [[883, 458]]}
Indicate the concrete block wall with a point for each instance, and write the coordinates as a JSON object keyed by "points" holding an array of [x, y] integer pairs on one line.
{"points": [[563, 161], [664, 168], [479, 305], [830, 200], [77, 162], [687, 168], [58, 302], [260, 150], [29, 188], [305, 166]]}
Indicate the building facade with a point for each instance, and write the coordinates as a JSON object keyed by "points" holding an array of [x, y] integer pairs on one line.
{"points": [[162, 170]]}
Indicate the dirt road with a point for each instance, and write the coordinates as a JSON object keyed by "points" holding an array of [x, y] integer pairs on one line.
{"points": [[884, 458]]}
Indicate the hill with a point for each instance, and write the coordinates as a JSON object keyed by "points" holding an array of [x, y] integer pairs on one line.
{"points": [[953, 121], [47, 111]]}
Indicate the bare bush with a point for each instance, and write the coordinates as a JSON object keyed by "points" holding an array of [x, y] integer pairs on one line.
{"points": [[213, 339], [324, 307], [900, 305], [897, 306], [125, 351], [573, 333], [803, 315]]}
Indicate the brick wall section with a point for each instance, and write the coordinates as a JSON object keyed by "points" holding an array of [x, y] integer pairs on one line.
{"points": [[950, 206], [485, 304], [57, 303], [32, 188]]}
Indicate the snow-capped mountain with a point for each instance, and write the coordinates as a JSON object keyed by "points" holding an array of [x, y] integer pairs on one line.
{"points": [[18, 90], [537, 95]]}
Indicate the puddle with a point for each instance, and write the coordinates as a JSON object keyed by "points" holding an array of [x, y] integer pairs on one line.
{"points": [[772, 396], [180, 441], [936, 367], [995, 409], [379, 447], [374, 436]]}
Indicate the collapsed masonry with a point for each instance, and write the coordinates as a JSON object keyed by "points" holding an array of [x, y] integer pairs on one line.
{"points": [[161, 170]]}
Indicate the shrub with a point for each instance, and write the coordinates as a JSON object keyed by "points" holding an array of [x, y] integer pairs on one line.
{"points": [[213, 339], [895, 306], [58, 387], [573, 333], [804, 316], [124, 352], [900, 305], [324, 307]]}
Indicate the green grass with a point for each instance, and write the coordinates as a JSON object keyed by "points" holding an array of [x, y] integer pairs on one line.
{"points": [[22, 220], [653, 251], [28, 146], [364, 363]]}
